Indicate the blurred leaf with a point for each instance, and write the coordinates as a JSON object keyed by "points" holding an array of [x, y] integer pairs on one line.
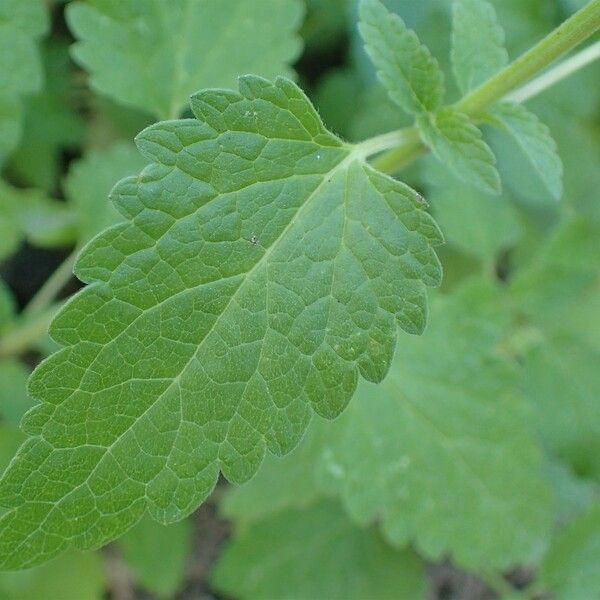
{"points": [[535, 141], [572, 495], [51, 125], [157, 554], [69, 577], [477, 224], [22, 22], [315, 553], [32, 215], [563, 383], [477, 43], [559, 292], [154, 57], [458, 144], [570, 569], [405, 67], [90, 181]]}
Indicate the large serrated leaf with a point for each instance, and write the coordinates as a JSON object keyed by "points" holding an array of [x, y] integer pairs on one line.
{"points": [[153, 54], [406, 68], [263, 267]]}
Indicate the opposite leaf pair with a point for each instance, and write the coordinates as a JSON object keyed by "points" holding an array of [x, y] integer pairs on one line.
{"points": [[416, 83]]}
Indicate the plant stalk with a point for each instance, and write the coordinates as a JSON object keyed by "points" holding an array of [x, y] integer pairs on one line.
{"points": [[54, 284]]}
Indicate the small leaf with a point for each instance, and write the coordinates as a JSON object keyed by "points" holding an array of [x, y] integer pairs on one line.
{"points": [[478, 50], [406, 68], [219, 317], [536, 142], [90, 180], [155, 56], [458, 144], [157, 555], [316, 553], [570, 569]]}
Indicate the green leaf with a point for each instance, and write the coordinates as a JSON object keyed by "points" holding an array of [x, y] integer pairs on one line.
{"points": [[219, 317], [90, 180], [274, 557], [458, 144], [441, 454], [154, 56], [535, 141], [406, 68], [478, 50], [477, 224], [157, 555], [71, 577], [563, 383], [50, 124], [22, 22], [14, 400], [570, 569]]}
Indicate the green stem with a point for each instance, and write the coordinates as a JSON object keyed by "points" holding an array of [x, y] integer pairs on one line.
{"points": [[30, 330], [564, 38], [567, 36], [54, 284], [556, 74]]}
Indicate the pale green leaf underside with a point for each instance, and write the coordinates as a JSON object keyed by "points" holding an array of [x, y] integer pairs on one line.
{"points": [[406, 68], [439, 454], [154, 54], [459, 145], [316, 553], [262, 268], [478, 50], [535, 140]]}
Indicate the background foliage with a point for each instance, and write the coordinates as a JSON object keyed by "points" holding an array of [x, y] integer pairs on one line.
{"points": [[482, 448]]}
